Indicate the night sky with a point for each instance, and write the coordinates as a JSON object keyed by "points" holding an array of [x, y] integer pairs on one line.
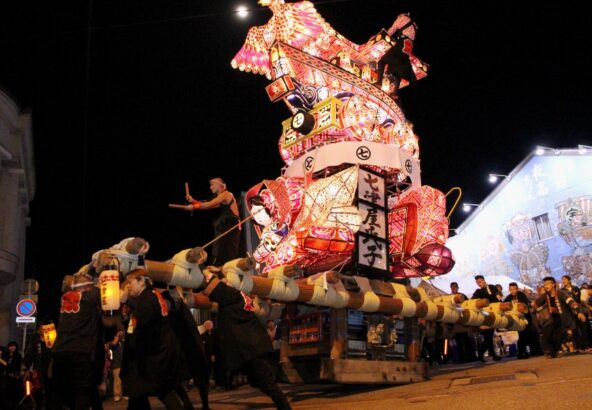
{"points": [[120, 126]]}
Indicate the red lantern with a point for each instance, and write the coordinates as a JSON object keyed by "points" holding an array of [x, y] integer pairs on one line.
{"points": [[435, 259], [326, 239]]}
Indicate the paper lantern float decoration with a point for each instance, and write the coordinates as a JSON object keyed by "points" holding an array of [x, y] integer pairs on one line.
{"points": [[311, 63], [326, 222], [338, 91]]}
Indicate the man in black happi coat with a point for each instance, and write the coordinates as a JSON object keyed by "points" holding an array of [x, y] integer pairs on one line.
{"points": [[243, 340]]}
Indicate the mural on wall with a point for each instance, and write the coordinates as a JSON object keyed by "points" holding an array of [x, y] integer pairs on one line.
{"points": [[493, 262], [575, 228], [538, 223], [527, 254]]}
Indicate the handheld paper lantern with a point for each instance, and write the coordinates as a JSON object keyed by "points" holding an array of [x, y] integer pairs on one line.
{"points": [[49, 334], [109, 281]]}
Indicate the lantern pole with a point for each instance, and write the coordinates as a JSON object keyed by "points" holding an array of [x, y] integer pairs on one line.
{"points": [[24, 340], [226, 232]]}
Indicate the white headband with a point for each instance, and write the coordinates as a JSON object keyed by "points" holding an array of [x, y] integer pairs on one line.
{"points": [[78, 285], [218, 181]]}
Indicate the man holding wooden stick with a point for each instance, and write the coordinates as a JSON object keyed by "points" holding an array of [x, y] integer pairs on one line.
{"points": [[227, 247]]}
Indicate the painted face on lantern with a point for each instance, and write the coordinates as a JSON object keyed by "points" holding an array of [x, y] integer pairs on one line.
{"points": [[261, 215]]}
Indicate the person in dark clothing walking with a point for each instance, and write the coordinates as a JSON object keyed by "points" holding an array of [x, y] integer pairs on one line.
{"points": [[244, 342], [210, 341], [74, 351], [14, 383], [560, 306], [185, 329], [151, 356], [226, 248], [3, 378], [36, 362], [490, 293], [580, 330], [525, 337], [464, 343]]}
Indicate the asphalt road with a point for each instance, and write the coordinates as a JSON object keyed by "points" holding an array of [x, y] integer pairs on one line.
{"points": [[536, 383]]}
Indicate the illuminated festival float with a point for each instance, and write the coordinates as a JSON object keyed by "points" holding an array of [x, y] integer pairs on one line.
{"points": [[348, 221]]}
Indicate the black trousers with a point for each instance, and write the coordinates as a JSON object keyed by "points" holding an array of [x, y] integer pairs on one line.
{"points": [[72, 382], [261, 375], [226, 248], [170, 400], [553, 334], [466, 349], [487, 343]]}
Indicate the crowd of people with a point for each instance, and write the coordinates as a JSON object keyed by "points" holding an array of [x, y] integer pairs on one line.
{"points": [[559, 320], [154, 348]]}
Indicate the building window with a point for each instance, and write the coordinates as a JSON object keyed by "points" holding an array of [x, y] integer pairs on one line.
{"points": [[541, 228]]}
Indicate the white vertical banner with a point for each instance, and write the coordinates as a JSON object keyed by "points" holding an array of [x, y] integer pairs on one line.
{"points": [[371, 188], [372, 252], [373, 220]]}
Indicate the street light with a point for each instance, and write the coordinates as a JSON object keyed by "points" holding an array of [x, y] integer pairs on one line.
{"points": [[242, 12], [467, 207], [541, 150], [493, 177], [582, 149]]}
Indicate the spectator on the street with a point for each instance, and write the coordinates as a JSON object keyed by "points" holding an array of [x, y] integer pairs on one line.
{"points": [[560, 305], [3, 377], [14, 383], [36, 363]]}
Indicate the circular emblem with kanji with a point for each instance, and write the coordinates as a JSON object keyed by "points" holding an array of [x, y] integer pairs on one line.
{"points": [[363, 153]]}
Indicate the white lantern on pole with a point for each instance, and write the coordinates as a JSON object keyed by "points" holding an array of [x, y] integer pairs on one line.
{"points": [[109, 283]]}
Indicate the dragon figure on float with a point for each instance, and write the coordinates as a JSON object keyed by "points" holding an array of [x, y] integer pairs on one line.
{"points": [[350, 190]]}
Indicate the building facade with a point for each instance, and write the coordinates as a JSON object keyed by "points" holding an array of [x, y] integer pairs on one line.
{"points": [[537, 222], [17, 188]]}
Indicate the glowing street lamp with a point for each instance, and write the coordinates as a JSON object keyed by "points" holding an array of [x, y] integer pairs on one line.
{"points": [[467, 207], [242, 12], [493, 177], [541, 150]]}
